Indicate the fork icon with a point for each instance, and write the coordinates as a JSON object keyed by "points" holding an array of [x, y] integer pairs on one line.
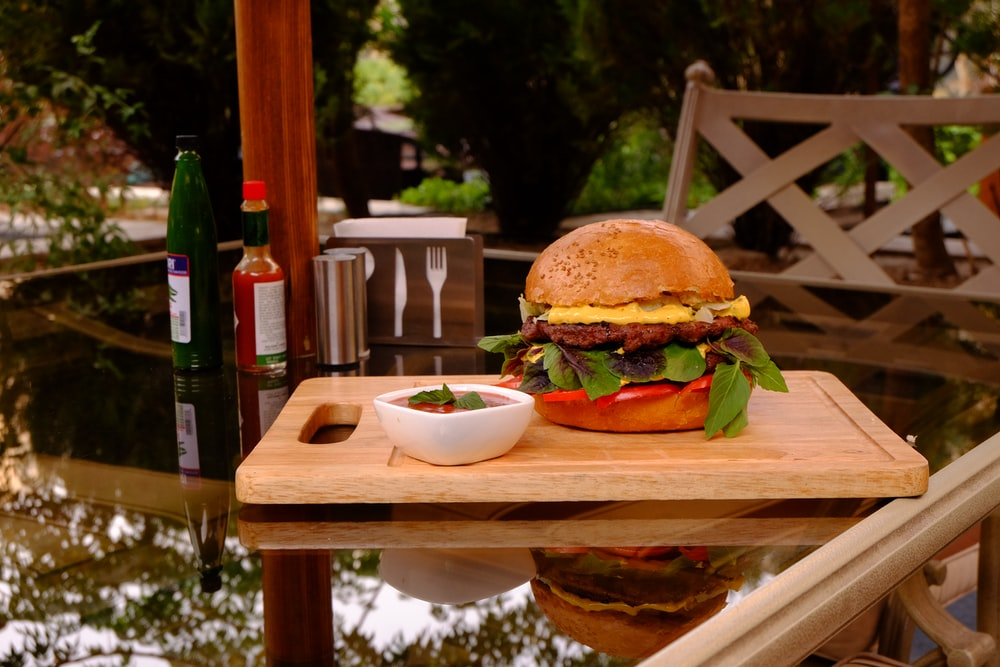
{"points": [[437, 273]]}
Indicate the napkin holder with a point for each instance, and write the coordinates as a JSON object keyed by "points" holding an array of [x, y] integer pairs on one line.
{"points": [[461, 296]]}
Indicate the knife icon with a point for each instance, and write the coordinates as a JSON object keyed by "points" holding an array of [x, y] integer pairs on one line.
{"points": [[400, 293]]}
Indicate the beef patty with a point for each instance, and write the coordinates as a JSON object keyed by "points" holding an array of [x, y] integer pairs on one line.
{"points": [[630, 337]]}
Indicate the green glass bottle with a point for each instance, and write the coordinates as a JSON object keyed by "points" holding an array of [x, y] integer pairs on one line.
{"points": [[192, 265]]}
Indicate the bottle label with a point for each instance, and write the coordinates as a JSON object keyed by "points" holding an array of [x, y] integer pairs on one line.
{"points": [[269, 322], [187, 445], [272, 396], [179, 285]]}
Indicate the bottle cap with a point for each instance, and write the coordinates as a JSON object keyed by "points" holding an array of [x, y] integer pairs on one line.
{"points": [[187, 142], [254, 190]]}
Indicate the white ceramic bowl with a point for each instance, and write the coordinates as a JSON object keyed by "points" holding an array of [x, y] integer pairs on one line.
{"points": [[456, 576], [460, 437]]}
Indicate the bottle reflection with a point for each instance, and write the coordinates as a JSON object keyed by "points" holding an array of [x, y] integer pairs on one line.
{"points": [[205, 455], [261, 396]]}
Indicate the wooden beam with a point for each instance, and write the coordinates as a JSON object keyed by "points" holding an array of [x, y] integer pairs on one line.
{"points": [[274, 63]]}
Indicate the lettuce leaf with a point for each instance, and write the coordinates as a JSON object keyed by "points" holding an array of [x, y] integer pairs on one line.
{"points": [[547, 367]]}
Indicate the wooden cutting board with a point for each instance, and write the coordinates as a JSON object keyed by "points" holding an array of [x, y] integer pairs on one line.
{"points": [[816, 441], [450, 526]]}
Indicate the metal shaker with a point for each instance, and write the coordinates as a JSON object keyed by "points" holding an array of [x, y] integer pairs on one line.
{"points": [[341, 308]]}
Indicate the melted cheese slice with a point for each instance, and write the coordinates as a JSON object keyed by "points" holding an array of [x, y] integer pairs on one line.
{"points": [[631, 610], [665, 312]]}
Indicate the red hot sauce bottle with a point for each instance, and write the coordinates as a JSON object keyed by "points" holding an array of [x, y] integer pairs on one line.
{"points": [[258, 291]]}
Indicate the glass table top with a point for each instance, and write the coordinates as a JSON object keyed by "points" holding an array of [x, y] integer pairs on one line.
{"points": [[115, 544]]}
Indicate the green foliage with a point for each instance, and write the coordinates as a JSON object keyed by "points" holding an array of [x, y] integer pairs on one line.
{"points": [[951, 142], [178, 61], [446, 196], [340, 29], [954, 141], [536, 103], [632, 173], [57, 165], [701, 190], [378, 81], [531, 102]]}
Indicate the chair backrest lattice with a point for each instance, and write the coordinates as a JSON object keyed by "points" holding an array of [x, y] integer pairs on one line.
{"points": [[887, 335], [839, 252]]}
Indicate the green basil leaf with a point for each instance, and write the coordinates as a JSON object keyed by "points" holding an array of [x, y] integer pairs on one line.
{"points": [[535, 380], [640, 366], [470, 400], [683, 363], [513, 347], [738, 423], [742, 346], [594, 374], [769, 377], [445, 396], [515, 363], [728, 396], [676, 362], [501, 343], [571, 369], [442, 396], [561, 365]]}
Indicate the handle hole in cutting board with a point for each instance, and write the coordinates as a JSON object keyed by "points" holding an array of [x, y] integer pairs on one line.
{"points": [[330, 422]]}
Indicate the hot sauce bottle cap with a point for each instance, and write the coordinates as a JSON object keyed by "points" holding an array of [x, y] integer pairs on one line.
{"points": [[253, 190]]}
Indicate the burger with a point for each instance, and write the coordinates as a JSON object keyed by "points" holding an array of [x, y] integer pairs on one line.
{"points": [[631, 602], [632, 326]]}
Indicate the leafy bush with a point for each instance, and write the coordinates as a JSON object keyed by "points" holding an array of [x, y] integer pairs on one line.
{"points": [[378, 81], [440, 194], [950, 141], [58, 164], [632, 174]]}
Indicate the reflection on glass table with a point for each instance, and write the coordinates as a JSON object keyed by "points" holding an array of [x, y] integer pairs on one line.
{"points": [[115, 543]]}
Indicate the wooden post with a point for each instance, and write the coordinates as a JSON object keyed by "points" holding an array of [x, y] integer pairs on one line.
{"points": [[275, 74], [298, 608]]}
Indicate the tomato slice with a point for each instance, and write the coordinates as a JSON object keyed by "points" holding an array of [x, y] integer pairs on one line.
{"points": [[701, 384], [639, 552], [631, 391], [565, 395], [510, 383], [695, 553]]}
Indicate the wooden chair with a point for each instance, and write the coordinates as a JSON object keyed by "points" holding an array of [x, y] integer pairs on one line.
{"points": [[847, 120], [869, 660]]}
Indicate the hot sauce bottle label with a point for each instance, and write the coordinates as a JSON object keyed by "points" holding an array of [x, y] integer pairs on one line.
{"points": [[269, 322], [272, 396], [179, 284]]}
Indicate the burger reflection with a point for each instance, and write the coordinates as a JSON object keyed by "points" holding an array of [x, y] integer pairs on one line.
{"points": [[626, 602], [631, 602]]}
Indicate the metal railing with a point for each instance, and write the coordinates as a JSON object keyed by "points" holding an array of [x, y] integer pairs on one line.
{"points": [[786, 620]]}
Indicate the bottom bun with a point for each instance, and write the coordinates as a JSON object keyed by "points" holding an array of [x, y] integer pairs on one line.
{"points": [[677, 412], [621, 634]]}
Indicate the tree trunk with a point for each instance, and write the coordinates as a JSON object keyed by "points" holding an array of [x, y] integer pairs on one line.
{"points": [[347, 172], [932, 257]]}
